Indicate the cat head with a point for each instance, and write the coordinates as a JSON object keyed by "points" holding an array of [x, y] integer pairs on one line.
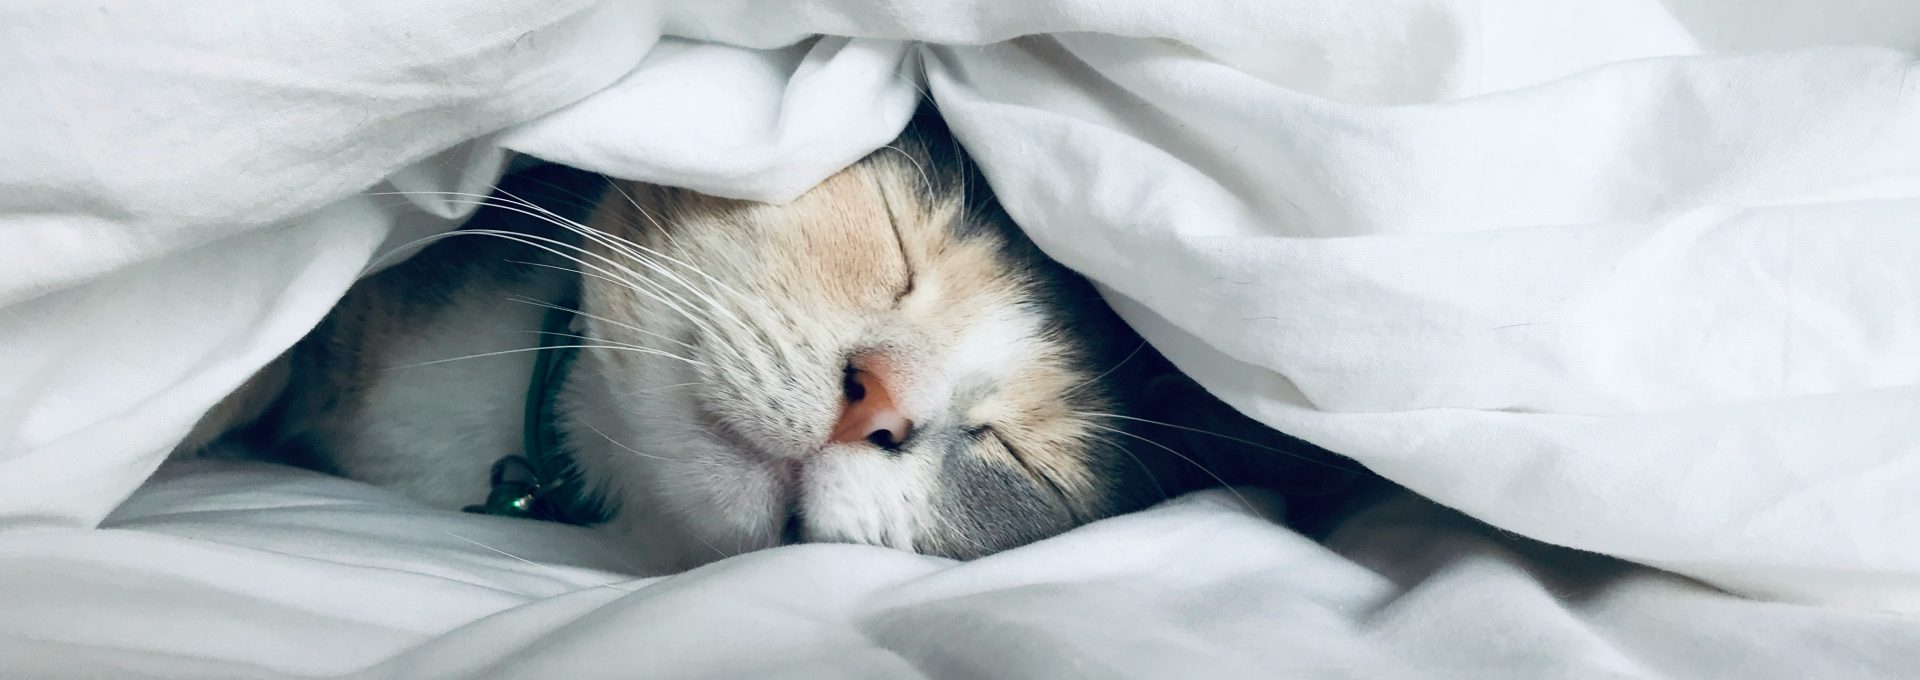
{"points": [[885, 360]]}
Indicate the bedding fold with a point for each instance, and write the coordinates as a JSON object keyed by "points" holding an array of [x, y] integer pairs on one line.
{"points": [[1635, 278]]}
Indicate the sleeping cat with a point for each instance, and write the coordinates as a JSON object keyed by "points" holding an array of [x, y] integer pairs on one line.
{"points": [[886, 360]]}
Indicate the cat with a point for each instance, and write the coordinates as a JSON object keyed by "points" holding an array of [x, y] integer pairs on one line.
{"points": [[885, 360]]}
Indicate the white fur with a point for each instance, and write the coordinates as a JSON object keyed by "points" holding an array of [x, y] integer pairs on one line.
{"points": [[442, 425], [983, 348], [856, 496]]}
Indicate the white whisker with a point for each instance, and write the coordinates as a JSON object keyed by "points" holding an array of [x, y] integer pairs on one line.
{"points": [[668, 233], [483, 355], [539, 242], [577, 336], [616, 442], [1231, 438], [504, 204], [657, 388], [1185, 457], [627, 246], [924, 178], [1144, 468], [531, 562], [579, 312], [1116, 367]]}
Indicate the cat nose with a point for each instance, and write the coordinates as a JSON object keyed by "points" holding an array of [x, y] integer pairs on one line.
{"points": [[871, 414]]}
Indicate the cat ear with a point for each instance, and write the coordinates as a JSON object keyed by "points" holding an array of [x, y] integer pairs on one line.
{"points": [[1211, 443]]}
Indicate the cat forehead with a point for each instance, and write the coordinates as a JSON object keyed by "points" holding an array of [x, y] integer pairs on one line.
{"points": [[983, 305]]}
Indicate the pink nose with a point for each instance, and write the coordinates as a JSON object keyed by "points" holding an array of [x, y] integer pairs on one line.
{"points": [[871, 414]]}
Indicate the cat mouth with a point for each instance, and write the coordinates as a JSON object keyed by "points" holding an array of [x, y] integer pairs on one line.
{"points": [[784, 470], [794, 530]]}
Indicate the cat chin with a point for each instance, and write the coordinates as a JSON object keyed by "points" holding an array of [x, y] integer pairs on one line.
{"points": [[662, 540], [680, 497], [864, 497]]}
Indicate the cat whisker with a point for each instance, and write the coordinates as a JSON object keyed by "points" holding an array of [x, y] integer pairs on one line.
{"points": [[1104, 374], [530, 240], [679, 305], [579, 312], [483, 355], [621, 246], [1257, 445], [628, 247], [617, 442], [1223, 482], [513, 205], [531, 562], [598, 272], [710, 546], [668, 233], [924, 178], [577, 336], [657, 388], [764, 361], [493, 549], [517, 207], [1144, 468], [606, 344], [636, 250]]}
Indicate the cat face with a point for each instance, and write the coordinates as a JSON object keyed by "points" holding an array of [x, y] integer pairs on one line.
{"points": [[886, 360]]}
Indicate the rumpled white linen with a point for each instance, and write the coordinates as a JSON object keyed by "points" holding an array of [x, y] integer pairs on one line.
{"points": [[228, 570], [1639, 278]]}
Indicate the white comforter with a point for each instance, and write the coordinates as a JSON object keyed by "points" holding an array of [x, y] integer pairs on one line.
{"points": [[1639, 278], [252, 571]]}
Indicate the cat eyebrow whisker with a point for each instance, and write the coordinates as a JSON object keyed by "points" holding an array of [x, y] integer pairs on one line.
{"points": [[532, 240], [924, 177]]}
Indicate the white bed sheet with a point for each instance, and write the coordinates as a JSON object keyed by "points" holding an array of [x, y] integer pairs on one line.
{"points": [[265, 571], [1635, 277]]}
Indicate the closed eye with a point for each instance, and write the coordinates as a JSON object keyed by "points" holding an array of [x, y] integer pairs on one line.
{"points": [[906, 261], [985, 432], [899, 239]]}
